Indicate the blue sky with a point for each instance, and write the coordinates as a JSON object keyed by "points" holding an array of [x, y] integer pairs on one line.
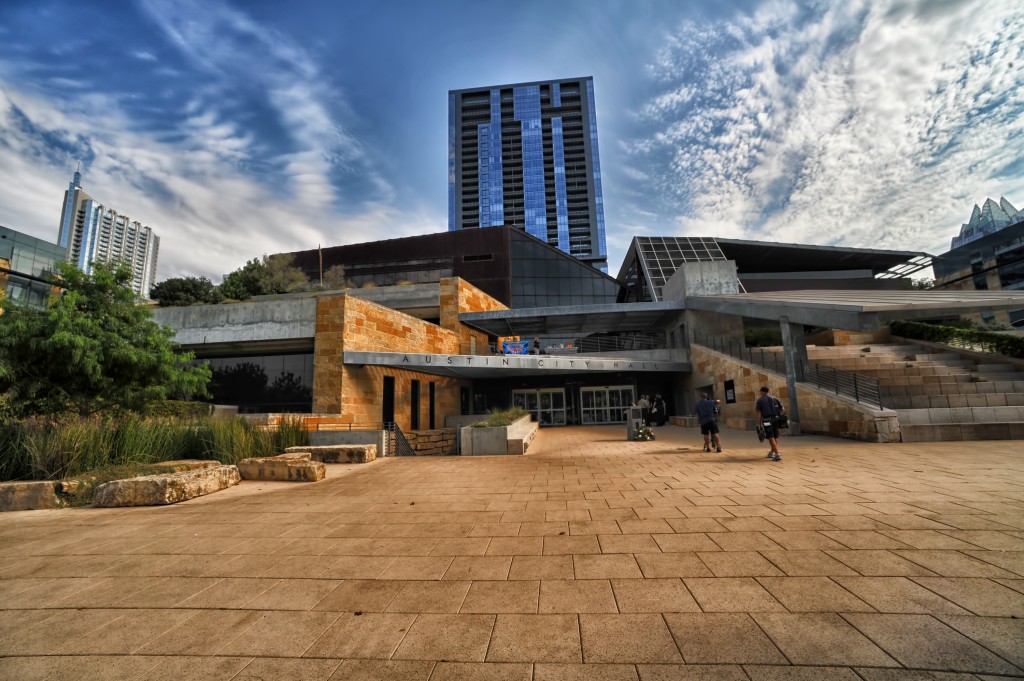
{"points": [[241, 128]]}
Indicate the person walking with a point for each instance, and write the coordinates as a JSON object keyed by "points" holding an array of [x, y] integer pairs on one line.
{"points": [[769, 408], [707, 414]]}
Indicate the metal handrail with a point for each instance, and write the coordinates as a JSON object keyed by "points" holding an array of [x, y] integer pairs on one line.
{"points": [[397, 442], [866, 390]]}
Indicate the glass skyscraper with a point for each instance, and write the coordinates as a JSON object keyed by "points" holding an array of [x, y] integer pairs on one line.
{"points": [[92, 233], [526, 156]]}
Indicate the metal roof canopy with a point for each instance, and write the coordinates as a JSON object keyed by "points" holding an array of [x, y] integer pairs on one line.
{"points": [[856, 310], [575, 319], [764, 256], [495, 366]]}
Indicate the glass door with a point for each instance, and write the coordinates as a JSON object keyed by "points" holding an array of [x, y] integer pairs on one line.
{"points": [[605, 404], [547, 406]]}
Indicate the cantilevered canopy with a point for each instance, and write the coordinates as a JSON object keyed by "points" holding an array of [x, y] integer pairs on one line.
{"points": [[856, 310], [496, 366], [575, 319]]}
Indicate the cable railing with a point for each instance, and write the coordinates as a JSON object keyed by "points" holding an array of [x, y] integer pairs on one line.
{"points": [[397, 443], [866, 390]]}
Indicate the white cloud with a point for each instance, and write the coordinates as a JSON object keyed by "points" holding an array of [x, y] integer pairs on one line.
{"points": [[862, 123], [192, 182]]}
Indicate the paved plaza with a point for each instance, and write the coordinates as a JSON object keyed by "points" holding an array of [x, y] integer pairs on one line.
{"points": [[589, 558]]}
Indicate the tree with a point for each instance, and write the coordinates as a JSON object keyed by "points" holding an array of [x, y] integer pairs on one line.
{"points": [[260, 277], [182, 291], [93, 348]]}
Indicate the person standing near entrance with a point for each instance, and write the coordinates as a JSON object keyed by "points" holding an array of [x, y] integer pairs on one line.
{"points": [[645, 409], [769, 408], [659, 410], [706, 409]]}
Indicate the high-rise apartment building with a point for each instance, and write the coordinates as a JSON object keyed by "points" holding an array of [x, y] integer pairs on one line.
{"points": [[92, 233], [526, 156]]}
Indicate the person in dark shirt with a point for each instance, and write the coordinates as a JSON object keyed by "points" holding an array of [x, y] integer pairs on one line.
{"points": [[659, 411], [706, 412], [769, 408]]}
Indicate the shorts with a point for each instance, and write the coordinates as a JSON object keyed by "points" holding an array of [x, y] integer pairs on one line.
{"points": [[709, 428], [771, 428]]}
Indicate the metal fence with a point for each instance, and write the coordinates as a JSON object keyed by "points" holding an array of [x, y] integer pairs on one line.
{"points": [[863, 389], [398, 445]]}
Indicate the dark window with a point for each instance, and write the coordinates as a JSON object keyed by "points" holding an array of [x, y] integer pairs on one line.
{"points": [[388, 412], [414, 405], [477, 258], [432, 406]]}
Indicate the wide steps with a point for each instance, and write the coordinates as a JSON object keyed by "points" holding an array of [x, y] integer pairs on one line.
{"points": [[938, 395]]}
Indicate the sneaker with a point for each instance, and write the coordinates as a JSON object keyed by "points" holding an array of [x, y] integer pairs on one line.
{"points": [[770, 454], [707, 449], [776, 458], [719, 449]]}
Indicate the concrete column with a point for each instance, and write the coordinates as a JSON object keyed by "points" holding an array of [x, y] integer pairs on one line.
{"points": [[794, 349]]}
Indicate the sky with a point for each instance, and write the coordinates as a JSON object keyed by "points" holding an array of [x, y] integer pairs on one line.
{"points": [[242, 128]]}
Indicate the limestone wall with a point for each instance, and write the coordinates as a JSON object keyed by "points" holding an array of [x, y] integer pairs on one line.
{"points": [[458, 296], [439, 442], [820, 412]]}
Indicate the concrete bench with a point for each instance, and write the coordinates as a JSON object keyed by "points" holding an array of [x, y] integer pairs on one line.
{"points": [[170, 488], [290, 467], [337, 453]]}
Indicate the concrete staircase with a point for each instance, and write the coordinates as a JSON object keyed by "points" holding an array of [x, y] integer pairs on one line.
{"points": [[939, 394]]}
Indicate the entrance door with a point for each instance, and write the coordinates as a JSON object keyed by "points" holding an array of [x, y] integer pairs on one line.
{"points": [[547, 406], [388, 409], [605, 404]]}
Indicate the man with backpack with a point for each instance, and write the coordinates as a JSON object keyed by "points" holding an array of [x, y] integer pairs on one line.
{"points": [[707, 410], [769, 409]]}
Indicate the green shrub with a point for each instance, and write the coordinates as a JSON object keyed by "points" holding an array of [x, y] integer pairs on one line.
{"points": [[180, 409], [1006, 345], [499, 418]]}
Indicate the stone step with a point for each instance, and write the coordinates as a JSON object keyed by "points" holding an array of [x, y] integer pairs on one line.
{"points": [[961, 432], [956, 401], [995, 368], [961, 415]]}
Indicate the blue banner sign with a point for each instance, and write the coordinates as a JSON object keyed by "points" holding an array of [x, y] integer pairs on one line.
{"points": [[515, 347]]}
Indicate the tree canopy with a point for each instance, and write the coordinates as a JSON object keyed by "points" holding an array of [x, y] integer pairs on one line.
{"points": [[180, 291], [264, 276], [92, 349]]}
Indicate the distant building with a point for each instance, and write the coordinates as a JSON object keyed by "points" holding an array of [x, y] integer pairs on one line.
{"points": [[988, 254], [92, 232], [26, 267], [526, 156]]}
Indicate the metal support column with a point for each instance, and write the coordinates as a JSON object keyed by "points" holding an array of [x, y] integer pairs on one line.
{"points": [[794, 349]]}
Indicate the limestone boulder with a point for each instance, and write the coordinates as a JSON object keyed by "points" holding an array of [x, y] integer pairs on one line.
{"points": [[290, 467], [25, 496], [337, 453], [170, 488]]}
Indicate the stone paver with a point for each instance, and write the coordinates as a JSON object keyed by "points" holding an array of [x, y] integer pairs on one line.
{"points": [[589, 558]]}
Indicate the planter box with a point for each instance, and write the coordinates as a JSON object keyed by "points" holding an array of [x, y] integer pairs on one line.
{"points": [[511, 439]]}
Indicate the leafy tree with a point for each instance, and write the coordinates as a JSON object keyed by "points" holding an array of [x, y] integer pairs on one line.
{"points": [[245, 282], [92, 349], [260, 277], [182, 291]]}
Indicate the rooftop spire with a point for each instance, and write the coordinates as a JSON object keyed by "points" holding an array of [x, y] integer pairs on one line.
{"points": [[78, 175]]}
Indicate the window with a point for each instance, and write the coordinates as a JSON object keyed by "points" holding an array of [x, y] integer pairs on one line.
{"points": [[414, 405]]}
